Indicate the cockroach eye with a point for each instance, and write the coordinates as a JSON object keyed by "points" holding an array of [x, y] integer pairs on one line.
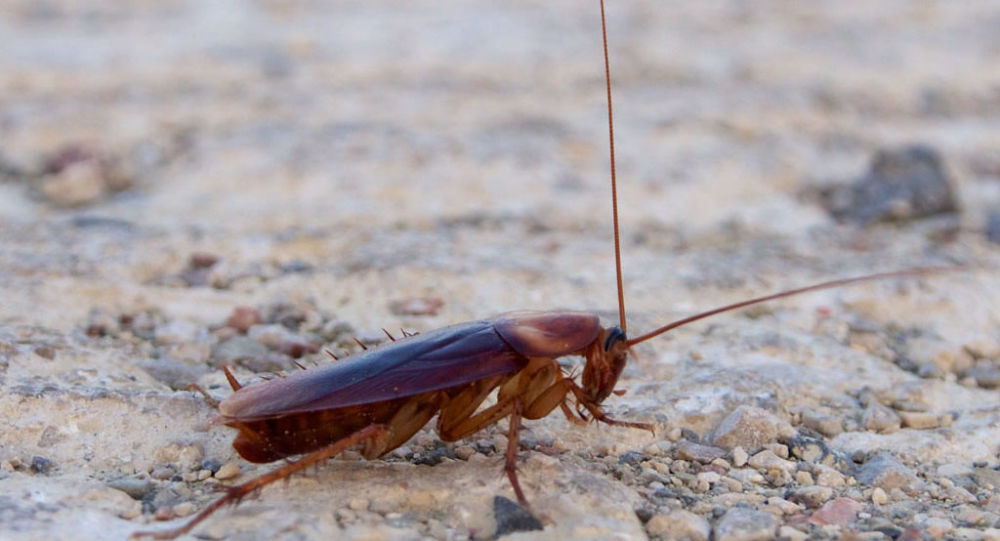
{"points": [[615, 335]]}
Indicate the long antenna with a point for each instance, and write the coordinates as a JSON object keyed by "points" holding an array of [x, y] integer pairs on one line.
{"points": [[614, 183], [789, 293]]}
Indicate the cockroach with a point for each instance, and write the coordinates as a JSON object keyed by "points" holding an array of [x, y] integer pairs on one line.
{"points": [[379, 398]]}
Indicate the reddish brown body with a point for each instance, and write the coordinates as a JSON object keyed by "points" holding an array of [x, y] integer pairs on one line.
{"points": [[404, 383], [381, 397]]}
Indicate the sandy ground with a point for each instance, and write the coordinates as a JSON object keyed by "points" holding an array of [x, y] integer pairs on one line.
{"points": [[337, 158]]}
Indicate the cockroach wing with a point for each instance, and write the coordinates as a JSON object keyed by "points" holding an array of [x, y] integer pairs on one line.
{"points": [[421, 363], [548, 334]]}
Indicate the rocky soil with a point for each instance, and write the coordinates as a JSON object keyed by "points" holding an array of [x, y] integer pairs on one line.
{"points": [[188, 185]]}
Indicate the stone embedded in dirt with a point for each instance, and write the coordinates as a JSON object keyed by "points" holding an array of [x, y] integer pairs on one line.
{"points": [[511, 517], [416, 306], [40, 464], [270, 335], [751, 428], [235, 349], [745, 524], [202, 260], [687, 450], [296, 348], [679, 524], [993, 227], [986, 374], [175, 332], [883, 470], [135, 486], [77, 175], [767, 460], [243, 317], [921, 420], [881, 419], [173, 373], [811, 497], [809, 449], [827, 425], [902, 184], [839, 512]]}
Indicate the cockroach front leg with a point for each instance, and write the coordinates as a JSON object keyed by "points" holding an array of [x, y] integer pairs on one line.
{"points": [[599, 415], [237, 493]]}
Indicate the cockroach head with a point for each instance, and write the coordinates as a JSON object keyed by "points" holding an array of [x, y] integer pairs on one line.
{"points": [[605, 361]]}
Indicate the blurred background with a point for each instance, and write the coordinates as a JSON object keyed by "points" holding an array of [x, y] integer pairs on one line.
{"points": [[339, 167]]}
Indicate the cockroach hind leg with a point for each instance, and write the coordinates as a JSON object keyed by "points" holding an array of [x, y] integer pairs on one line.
{"points": [[237, 493], [209, 399]]}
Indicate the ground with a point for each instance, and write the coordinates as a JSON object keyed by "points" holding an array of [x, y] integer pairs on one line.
{"points": [[339, 168]]}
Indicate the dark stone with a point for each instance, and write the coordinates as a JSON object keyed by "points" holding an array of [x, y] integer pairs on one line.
{"points": [[902, 184], [643, 514], [40, 464], [434, 456], [632, 458], [512, 518], [808, 449], [136, 487], [993, 227]]}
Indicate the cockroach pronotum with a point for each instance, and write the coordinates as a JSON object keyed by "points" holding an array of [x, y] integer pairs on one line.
{"points": [[381, 397]]}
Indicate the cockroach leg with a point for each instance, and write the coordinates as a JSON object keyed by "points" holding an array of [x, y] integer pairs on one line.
{"points": [[209, 399], [572, 417], [237, 493], [510, 463], [600, 416], [233, 382]]}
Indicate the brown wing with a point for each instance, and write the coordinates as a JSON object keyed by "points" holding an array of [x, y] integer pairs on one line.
{"points": [[417, 364]]}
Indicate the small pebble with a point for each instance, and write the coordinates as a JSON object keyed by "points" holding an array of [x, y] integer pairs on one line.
{"points": [[883, 470], [751, 428], [511, 517], [879, 497], [839, 512], [463, 452], [878, 418], [697, 452], [767, 460], [243, 317], [202, 260], [740, 457], [358, 504], [40, 464], [183, 509], [228, 471], [745, 524], [679, 524], [919, 420], [812, 497], [804, 478], [164, 513]]}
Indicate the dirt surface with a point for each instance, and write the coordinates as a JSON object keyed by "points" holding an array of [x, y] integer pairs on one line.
{"points": [[339, 168]]}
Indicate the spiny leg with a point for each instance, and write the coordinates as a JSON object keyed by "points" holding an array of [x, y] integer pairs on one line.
{"points": [[510, 464], [600, 416], [209, 399], [237, 493]]}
